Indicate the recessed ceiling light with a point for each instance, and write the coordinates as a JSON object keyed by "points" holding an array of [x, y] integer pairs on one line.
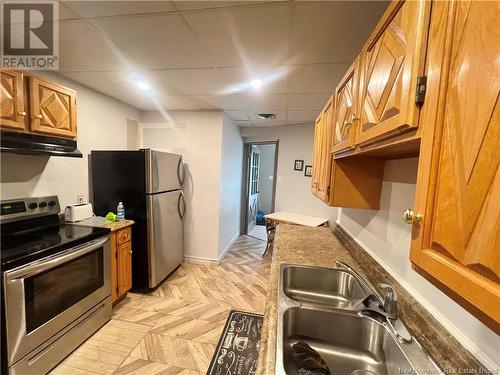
{"points": [[143, 86], [256, 83]]}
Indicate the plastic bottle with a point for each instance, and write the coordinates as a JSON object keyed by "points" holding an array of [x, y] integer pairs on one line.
{"points": [[120, 211]]}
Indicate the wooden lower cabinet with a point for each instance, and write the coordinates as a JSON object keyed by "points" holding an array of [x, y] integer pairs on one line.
{"points": [[12, 111], [456, 243], [121, 263]]}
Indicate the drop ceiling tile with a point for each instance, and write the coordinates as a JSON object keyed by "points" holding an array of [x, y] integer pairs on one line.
{"points": [[92, 9], [81, 43], [267, 125], [244, 124], [339, 30], [301, 116], [244, 102], [192, 5], [157, 41], [243, 36], [238, 115], [315, 78], [221, 81], [307, 102]]}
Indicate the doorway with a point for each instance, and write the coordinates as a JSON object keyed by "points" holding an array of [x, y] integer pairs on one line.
{"points": [[259, 172]]}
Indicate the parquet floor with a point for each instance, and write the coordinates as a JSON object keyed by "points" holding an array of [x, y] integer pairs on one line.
{"points": [[174, 329]]}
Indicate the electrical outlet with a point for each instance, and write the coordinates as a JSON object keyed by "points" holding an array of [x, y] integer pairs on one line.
{"points": [[80, 199]]}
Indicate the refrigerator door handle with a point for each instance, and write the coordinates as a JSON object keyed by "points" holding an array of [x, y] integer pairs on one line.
{"points": [[181, 172], [181, 198]]}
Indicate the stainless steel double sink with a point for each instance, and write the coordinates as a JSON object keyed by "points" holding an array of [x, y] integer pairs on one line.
{"points": [[321, 307]]}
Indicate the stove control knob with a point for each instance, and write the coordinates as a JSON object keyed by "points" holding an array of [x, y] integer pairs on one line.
{"points": [[43, 204], [52, 203], [32, 206]]}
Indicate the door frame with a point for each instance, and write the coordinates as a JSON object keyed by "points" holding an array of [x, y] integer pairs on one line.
{"points": [[247, 147]]}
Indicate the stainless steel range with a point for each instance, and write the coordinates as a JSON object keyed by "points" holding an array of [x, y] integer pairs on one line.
{"points": [[56, 288]]}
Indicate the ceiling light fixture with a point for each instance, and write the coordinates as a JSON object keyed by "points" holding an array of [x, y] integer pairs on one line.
{"points": [[256, 83], [143, 86]]}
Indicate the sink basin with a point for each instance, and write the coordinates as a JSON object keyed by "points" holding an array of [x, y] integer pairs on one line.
{"points": [[346, 341], [323, 286]]}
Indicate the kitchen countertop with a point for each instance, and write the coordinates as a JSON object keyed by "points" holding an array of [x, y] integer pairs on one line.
{"points": [[98, 221], [320, 247]]}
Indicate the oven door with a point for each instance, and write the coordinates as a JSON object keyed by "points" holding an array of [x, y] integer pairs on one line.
{"points": [[44, 297]]}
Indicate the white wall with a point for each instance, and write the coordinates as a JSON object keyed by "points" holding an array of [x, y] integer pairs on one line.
{"points": [[293, 189], [230, 185], [266, 178], [384, 235], [197, 135], [102, 124]]}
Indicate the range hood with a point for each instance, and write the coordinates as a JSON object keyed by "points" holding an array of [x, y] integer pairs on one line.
{"points": [[33, 144]]}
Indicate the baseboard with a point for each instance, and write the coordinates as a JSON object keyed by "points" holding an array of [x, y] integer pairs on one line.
{"points": [[200, 260], [485, 360], [226, 249]]}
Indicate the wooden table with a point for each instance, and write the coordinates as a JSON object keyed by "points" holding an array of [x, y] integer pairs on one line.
{"points": [[296, 219]]}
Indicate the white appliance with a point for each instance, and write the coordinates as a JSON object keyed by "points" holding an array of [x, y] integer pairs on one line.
{"points": [[77, 212]]}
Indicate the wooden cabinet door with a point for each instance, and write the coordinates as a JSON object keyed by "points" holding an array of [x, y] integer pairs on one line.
{"points": [[316, 155], [345, 120], [12, 115], [457, 242], [391, 63], [53, 109], [325, 155], [124, 268]]}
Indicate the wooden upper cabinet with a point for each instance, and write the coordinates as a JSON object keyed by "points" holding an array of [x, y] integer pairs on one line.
{"points": [[391, 62], [326, 147], [345, 119], [12, 114], [53, 109], [316, 154], [457, 241]]}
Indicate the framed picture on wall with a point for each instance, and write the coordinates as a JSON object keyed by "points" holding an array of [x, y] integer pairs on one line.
{"points": [[298, 165], [308, 172]]}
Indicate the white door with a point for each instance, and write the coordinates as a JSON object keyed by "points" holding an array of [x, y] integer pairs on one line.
{"points": [[253, 187]]}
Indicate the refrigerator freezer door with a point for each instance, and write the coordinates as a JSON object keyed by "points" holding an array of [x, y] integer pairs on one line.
{"points": [[165, 234], [164, 171]]}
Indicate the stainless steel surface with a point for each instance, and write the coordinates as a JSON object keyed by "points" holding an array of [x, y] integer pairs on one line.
{"points": [[347, 339], [32, 212], [164, 171], [47, 356], [20, 342], [165, 235], [323, 286], [362, 279]]}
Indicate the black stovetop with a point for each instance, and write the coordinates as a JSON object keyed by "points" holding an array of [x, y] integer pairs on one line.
{"points": [[38, 238]]}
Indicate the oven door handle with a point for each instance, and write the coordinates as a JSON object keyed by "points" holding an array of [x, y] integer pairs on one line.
{"points": [[39, 266]]}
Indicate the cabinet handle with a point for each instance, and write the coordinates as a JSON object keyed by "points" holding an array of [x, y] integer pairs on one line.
{"points": [[22, 113], [130, 251], [410, 217], [354, 118]]}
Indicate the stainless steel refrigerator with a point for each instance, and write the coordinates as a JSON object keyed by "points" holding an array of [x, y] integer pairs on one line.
{"points": [[149, 183]]}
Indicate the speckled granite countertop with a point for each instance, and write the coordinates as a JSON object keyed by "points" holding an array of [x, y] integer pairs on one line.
{"points": [[321, 247], [98, 221]]}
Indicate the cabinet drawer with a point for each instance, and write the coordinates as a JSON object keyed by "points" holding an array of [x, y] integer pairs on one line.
{"points": [[123, 235]]}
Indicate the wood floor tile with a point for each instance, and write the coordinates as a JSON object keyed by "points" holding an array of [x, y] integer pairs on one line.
{"points": [[174, 329]]}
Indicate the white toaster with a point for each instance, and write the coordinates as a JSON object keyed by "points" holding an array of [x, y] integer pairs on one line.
{"points": [[77, 212]]}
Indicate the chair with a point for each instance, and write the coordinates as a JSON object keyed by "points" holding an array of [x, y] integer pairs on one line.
{"points": [[271, 231]]}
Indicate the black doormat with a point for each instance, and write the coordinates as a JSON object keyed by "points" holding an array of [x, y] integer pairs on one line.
{"points": [[238, 348]]}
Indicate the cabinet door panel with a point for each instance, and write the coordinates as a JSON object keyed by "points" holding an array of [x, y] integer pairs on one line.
{"points": [[124, 268], [316, 155], [459, 239], [345, 111], [114, 268], [391, 64], [53, 109], [12, 100], [326, 149]]}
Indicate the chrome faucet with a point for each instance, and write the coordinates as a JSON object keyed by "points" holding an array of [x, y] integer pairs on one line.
{"points": [[385, 306]]}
